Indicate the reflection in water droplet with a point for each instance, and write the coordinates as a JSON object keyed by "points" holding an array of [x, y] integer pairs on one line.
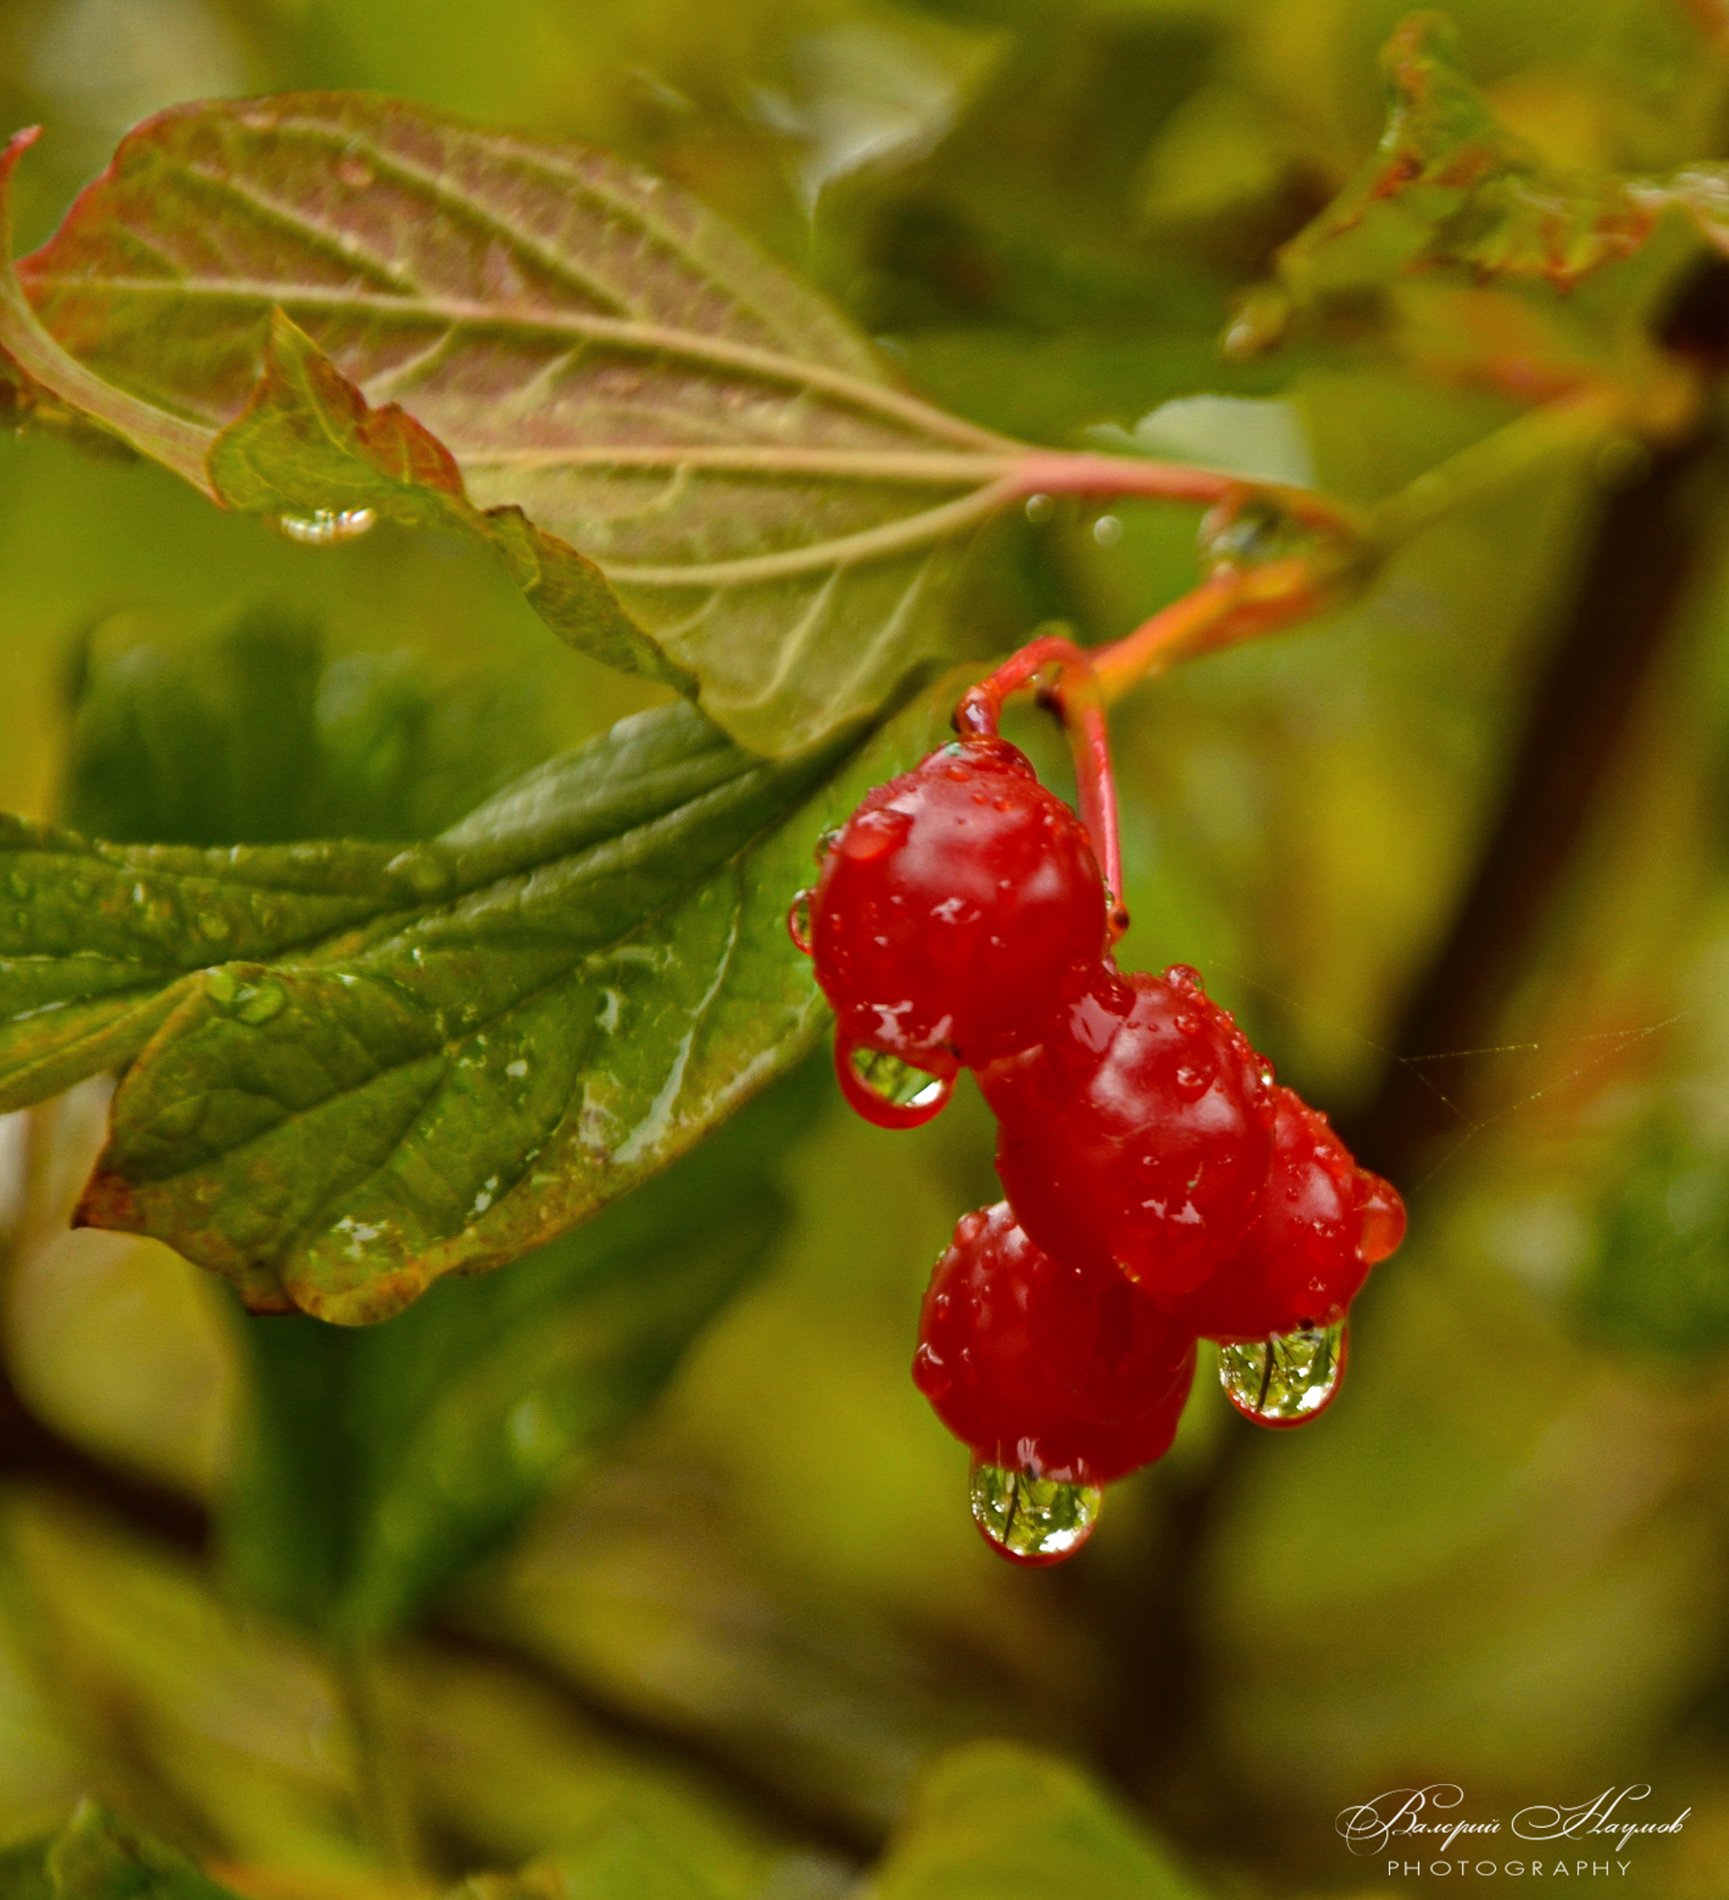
{"points": [[798, 921], [327, 525], [1287, 1380], [1032, 1520], [887, 1091]]}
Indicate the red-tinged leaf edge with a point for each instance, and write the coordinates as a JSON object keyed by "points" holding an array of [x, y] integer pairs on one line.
{"points": [[44, 366]]}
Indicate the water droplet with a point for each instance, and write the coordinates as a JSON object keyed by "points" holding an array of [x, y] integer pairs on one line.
{"points": [[1247, 530], [887, 1091], [1183, 976], [1287, 1380], [1107, 531], [325, 526], [423, 873], [798, 921], [1383, 1217], [249, 1003], [826, 843], [267, 1000], [1029, 1519], [1040, 507]]}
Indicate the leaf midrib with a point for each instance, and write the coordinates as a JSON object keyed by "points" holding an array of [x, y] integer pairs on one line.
{"points": [[651, 339]]}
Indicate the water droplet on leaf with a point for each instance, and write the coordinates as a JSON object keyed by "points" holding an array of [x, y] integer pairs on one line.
{"points": [[249, 1003], [1029, 1519], [1287, 1380], [798, 921], [325, 526]]}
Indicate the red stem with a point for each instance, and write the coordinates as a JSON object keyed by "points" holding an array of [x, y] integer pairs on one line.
{"points": [[1074, 696]]}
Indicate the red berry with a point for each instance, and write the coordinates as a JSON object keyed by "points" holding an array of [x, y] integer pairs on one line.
{"points": [[1137, 1130], [1060, 1368], [954, 910], [1323, 1223]]}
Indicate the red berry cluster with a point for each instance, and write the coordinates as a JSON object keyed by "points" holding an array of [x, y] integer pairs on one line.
{"points": [[1161, 1189]]}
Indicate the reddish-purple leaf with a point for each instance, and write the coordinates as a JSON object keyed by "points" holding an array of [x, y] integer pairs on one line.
{"points": [[575, 340]]}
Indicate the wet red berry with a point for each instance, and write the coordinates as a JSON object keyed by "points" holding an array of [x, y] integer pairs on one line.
{"points": [[1323, 1222], [1138, 1129], [954, 909], [1057, 1368]]}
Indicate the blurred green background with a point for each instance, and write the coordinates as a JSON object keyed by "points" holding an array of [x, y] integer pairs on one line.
{"points": [[751, 1620]]}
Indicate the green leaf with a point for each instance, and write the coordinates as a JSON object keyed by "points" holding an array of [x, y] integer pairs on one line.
{"points": [[97, 1856], [24, 1871], [1657, 1278], [379, 1464], [333, 304], [420, 1059], [249, 734], [994, 1819]]}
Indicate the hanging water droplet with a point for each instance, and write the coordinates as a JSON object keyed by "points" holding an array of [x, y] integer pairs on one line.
{"points": [[324, 526], [1382, 1213], [1107, 531], [1287, 1380], [1040, 507], [1029, 1519], [887, 1091], [798, 921]]}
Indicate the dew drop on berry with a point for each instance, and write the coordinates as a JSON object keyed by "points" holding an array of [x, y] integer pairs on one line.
{"points": [[887, 1091], [1029, 1519], [798, 921], [1287, 1380], [1383, 1217], [1183, 976], [825, 844]]}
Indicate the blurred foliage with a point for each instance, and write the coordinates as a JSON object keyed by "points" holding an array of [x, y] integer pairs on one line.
{"points": [[745, 1613]]}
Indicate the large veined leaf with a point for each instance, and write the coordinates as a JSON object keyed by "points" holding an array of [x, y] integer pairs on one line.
{"points": [[356, 1067], [321, 305]]}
